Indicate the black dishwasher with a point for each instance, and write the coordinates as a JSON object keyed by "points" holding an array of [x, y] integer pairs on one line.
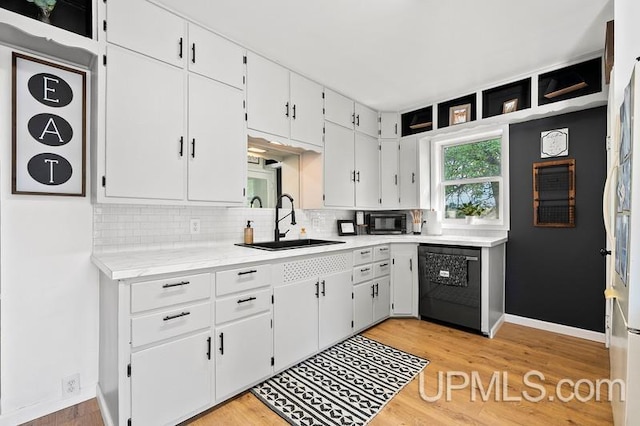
{"points": [[449, 278]]}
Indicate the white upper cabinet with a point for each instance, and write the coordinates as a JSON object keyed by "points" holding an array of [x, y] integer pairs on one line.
{"points": [[339, 172], [148, 29], [338, 109], [366, 120], [389, 125], [367, 171], [389, 193], [306, 116], [408, 173], [215, 57], [217, 143], [268, 106], [145, 135]]}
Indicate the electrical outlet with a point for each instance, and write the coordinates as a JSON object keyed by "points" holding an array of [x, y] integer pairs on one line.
{"points": [[71, 386], [194, 226]]}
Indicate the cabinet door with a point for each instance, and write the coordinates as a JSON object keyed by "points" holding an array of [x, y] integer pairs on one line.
{"points": [[366, 120], [171, 380], [367, 171], [362, 306], [408, 173], [217, 143], [338, 166], [148, 29], [336, 308], [215, 57], [295, 317], [144, 127], [268, 106], [306, 110], [389, 125], [389, 173], [382, 299], [402, 278], [338, 109], [243, 354]]}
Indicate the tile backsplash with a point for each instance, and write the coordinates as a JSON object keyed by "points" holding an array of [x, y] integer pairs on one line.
{"points": [[119, 227]]}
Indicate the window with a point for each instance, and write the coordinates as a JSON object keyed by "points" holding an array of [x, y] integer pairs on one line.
{"points": [[470, 178]]}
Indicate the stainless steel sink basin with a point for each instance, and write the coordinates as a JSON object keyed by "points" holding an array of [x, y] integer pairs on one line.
{"points": [[290, 244]]}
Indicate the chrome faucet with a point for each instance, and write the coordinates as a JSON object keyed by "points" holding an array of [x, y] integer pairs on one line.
{"points": [[276, 234]]}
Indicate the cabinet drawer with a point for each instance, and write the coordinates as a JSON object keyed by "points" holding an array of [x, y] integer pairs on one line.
{"points": [[163, 325], [243, 305], [380, 252], [362, 273], [171, 291], [242, 279], [364, 255], [381, 268]]}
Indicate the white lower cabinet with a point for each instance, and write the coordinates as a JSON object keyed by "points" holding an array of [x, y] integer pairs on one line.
{"points": [[334, 316], [371, 291], [381, 300], [171, 379], [404, 279]]}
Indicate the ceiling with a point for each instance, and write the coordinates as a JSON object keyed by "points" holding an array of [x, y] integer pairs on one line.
{"points": [[398, 54]]}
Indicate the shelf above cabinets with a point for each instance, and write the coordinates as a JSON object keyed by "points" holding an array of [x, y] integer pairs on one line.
{"points": [[507, 98]]}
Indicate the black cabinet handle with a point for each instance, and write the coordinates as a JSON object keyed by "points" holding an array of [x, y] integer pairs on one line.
{"points": [[180, 44], [396, 128], [294, 111], [324, 288], [252, 271], [358, 120], [373, 291], [413, 178], [181, 145], [193, 148], [382, 265], [175, 284], [193, 53], [287, 107], [411, 264], [358, 178], [248, 299], [365, 252], [353, 176], [209, 347], [377, 289], [221, 343], [396, 177], [181, 314], [365, 269], [317, 289], [353, 118]]}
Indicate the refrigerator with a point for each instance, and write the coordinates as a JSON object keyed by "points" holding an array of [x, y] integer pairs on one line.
{"points": [[624, 285]]}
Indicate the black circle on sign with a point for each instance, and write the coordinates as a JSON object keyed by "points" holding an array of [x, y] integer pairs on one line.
{"points": [[50, 129], [49, 169], [50, 90]]}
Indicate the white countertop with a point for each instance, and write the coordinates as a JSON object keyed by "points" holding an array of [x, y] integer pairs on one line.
{"points": [[145, 263]]}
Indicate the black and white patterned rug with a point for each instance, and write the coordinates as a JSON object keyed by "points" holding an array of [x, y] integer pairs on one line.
{"points": [[347, 384]]}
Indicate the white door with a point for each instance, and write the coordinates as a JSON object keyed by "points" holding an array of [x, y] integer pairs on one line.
{"points": [[217, 143], [268, 106], [336, 308], [404, 261], [362, 305], [171, 380], [145, 131], [408, 173], [295, 322], [306, 110], [214, 57], [382, 299], [243, 354], [338, 109], [367, 170], [389, 126], [366, 120], [389, 173], [148, 29], [339, 172]]}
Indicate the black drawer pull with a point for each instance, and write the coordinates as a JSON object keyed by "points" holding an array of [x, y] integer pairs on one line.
{"points": [[382, 265], [365, 252], [181, 314], [365, 269], [252, 271], [248, 299], [221, 343], [209, 347], [175, 284]]}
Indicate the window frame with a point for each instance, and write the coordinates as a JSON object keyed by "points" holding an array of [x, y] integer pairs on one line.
{"points": [[438, 143]]}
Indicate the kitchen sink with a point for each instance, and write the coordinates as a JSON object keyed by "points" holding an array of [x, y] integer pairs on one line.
{"points": [[290, 244]]}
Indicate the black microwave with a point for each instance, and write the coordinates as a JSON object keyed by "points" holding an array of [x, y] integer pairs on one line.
{"points": [[387, 223]]}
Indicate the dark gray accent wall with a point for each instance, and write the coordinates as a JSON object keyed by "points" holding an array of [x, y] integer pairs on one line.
{"points": [[557, 274]]}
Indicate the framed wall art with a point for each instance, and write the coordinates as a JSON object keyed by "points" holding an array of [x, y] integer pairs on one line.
{"points": [[459, 114], [48, 128]]}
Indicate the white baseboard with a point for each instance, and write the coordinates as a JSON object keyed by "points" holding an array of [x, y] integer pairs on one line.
{"points": [[104, 411], [496, 326], [26, 414], [556, 328]]}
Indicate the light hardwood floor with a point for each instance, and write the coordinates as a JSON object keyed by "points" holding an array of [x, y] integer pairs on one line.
{"points": [[515, 350]]}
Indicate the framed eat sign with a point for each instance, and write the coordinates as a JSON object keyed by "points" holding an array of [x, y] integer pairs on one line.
{"points": [[49, 128]]}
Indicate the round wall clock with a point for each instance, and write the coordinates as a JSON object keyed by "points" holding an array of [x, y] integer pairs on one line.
{"points": [[554, 143]]}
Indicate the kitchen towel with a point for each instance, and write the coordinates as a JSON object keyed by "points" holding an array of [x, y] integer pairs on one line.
{"points": [[447, 269]]}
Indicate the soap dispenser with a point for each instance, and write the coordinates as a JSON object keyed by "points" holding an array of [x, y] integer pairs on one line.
{"points": [[248, 233]]}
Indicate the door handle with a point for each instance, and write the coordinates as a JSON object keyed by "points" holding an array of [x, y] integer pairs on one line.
{"points": [[180, 51], [413, 178], [287, 109], [324, 288], [221, 343], [353, 118], [411, 264], [252, 271], [358, 174], [396, 177], [358, 120], [373, 291], [396, 128], [193, 148], [605, 252], [193, 53], [353, 176], [209, 347], [181, 145], [377, 289], [294, 112], [317, 290]]}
